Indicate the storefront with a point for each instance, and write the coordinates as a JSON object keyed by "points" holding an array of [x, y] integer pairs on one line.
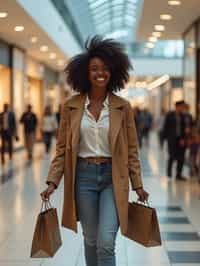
{"points": [[5, 75], [18, 77], [190, 68], [51, 89], [33, 86]]}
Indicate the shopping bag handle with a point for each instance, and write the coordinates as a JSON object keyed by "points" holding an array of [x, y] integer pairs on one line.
{"points": [[145, 203], [46, 205]]}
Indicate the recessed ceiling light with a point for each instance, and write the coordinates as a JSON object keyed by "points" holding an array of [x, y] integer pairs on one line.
{"points": [[165, 17], [60, 63], [152, 39], [3, 14], [44, 48], [33, 39], [150, 45], [156, 34], [159, 27], [52, 55], [174, 3], [19, 28]]}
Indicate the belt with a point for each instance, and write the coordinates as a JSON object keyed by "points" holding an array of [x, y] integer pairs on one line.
{"points": [[96, 160]]}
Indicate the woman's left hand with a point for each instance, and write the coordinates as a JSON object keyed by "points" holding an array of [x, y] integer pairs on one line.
{"points": [[142, 194]]}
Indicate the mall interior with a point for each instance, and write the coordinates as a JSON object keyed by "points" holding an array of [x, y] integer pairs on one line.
{"points": [[162, 40]]}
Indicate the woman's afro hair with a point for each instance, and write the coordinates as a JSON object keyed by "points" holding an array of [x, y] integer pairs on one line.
{"points": [[111, 53]]}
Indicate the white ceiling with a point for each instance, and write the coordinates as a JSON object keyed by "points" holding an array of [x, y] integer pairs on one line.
{"points": [[17, 16], [183, 16]]}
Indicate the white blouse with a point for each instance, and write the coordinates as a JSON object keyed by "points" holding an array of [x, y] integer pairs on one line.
{"points": [[94, 140]]}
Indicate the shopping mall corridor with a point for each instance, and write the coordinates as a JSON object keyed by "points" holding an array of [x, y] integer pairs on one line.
{"points": [[177, 205]]}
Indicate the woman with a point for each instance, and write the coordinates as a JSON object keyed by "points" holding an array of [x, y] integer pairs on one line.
{"points": [[97, 150], [49, 127]]}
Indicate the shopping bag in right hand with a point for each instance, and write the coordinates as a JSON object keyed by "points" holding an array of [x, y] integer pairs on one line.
{"points": [[46, 238], [143, 226]]}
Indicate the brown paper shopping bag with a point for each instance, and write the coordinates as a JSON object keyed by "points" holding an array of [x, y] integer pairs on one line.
{"points": [[46, 238], [143, 225]]}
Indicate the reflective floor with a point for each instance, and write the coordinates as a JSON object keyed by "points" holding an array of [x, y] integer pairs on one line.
{"points": [[177, 203]]}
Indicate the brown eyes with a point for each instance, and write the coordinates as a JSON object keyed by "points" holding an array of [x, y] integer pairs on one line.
{"points": [[96, 69]]}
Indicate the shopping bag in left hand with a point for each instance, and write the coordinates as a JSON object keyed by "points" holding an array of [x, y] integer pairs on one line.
{"points": [[46, 239]]}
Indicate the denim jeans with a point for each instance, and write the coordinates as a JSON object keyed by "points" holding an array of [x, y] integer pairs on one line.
{"points": [[97, 212]]}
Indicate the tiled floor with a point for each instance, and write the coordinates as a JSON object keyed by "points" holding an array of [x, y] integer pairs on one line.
{"points": [[177, 204]]}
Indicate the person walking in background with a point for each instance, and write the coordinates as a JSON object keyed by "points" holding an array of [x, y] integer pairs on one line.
{"points": [[197, 124], [160, 124], [188, 131], [174, 131], [58, 114], [146, 121], [137, 120], [49, 127], [193, 144], [97, 150], [29, 121], [188, 118], [8, 130]]}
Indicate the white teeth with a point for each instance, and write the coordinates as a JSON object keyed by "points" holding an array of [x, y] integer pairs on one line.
{"points": [[100, 79]]}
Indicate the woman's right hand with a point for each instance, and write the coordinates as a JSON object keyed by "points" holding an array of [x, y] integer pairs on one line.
{"points": [[47, 192]]}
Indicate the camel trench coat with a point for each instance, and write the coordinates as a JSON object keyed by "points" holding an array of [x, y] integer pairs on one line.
{"points": [[124, 150]]}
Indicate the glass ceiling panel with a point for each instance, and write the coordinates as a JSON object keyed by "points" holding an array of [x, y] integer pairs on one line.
{"points": [[162, 49], [97, 5], [109, 15], [105, 17]]}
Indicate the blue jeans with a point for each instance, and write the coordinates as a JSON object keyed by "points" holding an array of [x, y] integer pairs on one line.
{"points": [[97, 212]]}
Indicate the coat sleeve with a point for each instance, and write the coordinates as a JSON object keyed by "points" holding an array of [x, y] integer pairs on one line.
{"points": [[133, 154], [57, 165]]}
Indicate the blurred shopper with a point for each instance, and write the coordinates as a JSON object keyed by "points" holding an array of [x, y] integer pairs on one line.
{"points": [[198, 119], [95, 158], [29, 121], [174, 131], [49, 127], [160, 124], [8, 130], [188, 118], [146, 121], [58, 114], [193, 144], [188, 128], [136, 112], [198, 133]]}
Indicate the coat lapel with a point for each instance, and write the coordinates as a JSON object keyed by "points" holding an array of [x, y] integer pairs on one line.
{"points": [[116, 117], [76, 112]]}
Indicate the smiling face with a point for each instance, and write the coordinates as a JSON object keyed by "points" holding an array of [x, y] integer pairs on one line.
{"points": [[99, 73]]}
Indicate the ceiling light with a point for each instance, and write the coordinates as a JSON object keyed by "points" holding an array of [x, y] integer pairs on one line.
{"points": [[44, 48], [3, 14], [156, 34], [174, 3], [152, 39], [158, 82], [159, 27], [33, 39], [52, 55], [165, 17], [19, 28], [60, 63], [150, 45]]}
